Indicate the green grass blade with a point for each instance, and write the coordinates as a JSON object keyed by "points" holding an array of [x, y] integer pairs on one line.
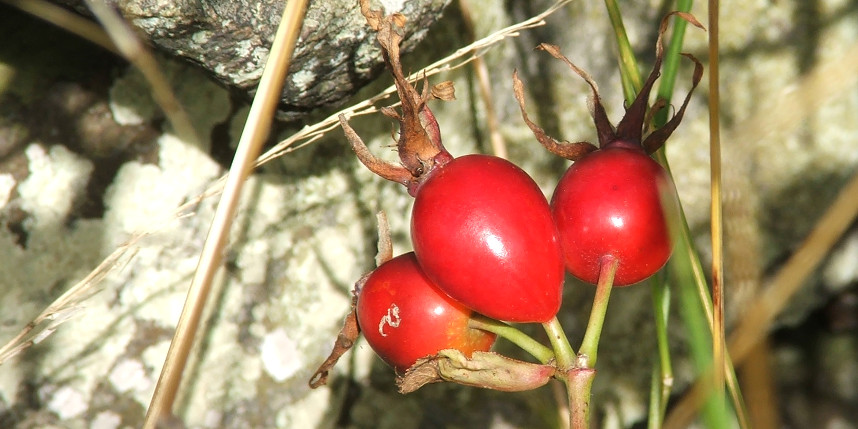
{"points": [[629, 72]]}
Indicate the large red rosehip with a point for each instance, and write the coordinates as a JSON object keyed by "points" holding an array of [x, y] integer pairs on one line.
{"points": [[405, 317], [482, 231]]}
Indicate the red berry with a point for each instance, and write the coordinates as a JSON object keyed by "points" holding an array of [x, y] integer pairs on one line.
{"points": [[482, 231], [405, 317], [608, 203]]}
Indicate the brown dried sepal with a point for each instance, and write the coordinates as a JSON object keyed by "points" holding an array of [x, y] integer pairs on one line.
{"points": [[419, 144], [486, 370], [631, 127], [351, 330], [345, 340], [568, 150]]}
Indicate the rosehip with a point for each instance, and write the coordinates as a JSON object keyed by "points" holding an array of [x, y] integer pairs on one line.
{"points": [[482, 231], [405, 317], [609, 203]]}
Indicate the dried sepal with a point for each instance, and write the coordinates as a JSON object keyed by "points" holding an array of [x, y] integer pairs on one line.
{"points": [[345, 340], [351, 330], [656, 139], [631, 127], [568, 150], [419, 142], [385, 245], [604, 129], [486, 370], [380, 167], [444, 91]]}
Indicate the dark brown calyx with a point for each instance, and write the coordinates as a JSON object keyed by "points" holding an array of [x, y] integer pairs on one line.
{"points": [[419, 144], [638, 113]]}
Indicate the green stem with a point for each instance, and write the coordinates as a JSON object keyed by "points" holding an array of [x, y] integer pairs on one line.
{"points": [[563, 351], [655, 416], [513, 335], [663, 371], [631, 77], [590, 344]]}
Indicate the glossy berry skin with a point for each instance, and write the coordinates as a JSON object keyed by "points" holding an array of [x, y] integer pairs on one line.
{"points": [[483, 232], [404, 317], [608, 203]]}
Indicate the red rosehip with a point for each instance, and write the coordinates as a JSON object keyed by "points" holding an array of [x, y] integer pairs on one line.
{"points": [[482, 231], [609, 203], [405, 317]]}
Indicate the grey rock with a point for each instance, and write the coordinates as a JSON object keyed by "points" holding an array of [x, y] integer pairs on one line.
{"points": [[335, 55]]}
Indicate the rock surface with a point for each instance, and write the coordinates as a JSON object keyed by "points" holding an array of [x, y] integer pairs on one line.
{"points": [[335, 55]]}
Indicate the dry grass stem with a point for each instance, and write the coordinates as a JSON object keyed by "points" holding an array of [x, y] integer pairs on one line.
{"points": [[256, 131], [716, 220], [481, 71]]}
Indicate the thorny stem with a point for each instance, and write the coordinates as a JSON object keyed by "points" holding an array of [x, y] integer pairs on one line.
{"points": [[513, 335]]}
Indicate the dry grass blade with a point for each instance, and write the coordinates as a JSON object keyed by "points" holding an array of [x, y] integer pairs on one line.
{"points": [[716, 219], [66, 20], [255, 132], [66, 305]]}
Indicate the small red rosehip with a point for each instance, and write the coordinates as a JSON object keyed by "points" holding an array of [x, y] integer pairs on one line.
{"points": [[404, 317]]}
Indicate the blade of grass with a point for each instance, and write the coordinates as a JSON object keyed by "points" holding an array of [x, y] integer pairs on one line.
{"points": [[629, 72], [255, 132], [670, 64], [663, 369]]}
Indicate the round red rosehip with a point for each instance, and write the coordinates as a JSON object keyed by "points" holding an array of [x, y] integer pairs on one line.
{"points": [[608, 203], [404, 317]]}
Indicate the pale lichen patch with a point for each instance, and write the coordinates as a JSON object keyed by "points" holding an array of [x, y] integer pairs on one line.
{"points": [[280, 356], [7, 183], [56, 176], [66, 402], [129, 374], [106, 420], [302, 79]]}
